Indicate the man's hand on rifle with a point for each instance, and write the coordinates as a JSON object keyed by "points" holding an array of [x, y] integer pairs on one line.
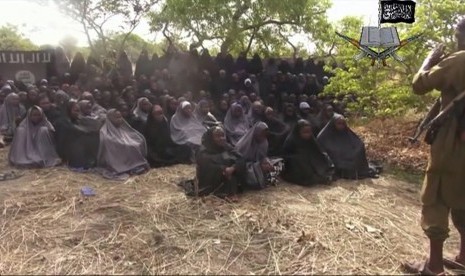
{"points": [[434, 57]]}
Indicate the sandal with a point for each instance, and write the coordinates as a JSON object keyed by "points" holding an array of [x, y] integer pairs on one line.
{"points": [[454, 264], [418, 268]]}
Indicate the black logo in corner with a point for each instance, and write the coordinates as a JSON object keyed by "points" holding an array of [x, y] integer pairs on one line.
{"points": [[397, 11]]}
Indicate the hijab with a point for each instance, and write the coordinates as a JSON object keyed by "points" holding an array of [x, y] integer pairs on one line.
{"points": [[186, 129], [34, 148], [111, 152], [90, 122], [9, 113], [138, 112], [344, 147], [198, 111], [248, 146], [236, 126], [157, 133]]}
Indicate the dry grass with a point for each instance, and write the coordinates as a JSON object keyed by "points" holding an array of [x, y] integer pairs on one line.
{"points": [[147, 226]]}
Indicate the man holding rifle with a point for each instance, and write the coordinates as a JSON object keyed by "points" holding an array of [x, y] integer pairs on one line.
{"points": [[443, 190]]}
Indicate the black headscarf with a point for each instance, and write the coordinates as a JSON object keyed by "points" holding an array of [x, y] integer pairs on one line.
{"points": [[345, 148], [306, 163]]}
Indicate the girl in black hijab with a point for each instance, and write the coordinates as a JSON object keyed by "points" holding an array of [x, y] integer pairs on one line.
{"points": [[220, 169], [162, 151], [77, 144], [305, 162], [345, 149]]}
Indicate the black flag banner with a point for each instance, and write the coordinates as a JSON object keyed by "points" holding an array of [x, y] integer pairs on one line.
{"points": [[397, 11]]}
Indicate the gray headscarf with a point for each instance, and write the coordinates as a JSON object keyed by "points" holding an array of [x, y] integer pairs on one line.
{"points": [[121, 149], [9, 113], [92, 122], [186, 129], [34, 144], [138, 113], [235, 128], [248, 146]]}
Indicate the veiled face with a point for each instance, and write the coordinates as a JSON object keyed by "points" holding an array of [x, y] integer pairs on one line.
{"points": [[224, 105], [237, 112], [86, 108], [289, 111], [306, 133], [329, 111], [74, 111], [45, 104], [269, 113], [340, 124], [173, 104], [145, 106], [305, 110], [157, 113], [116, 118], [35, 116], [22, 97], [14, 100], [187, 111], [257, 109], [253, 97], [124, 110], [219, 137]]}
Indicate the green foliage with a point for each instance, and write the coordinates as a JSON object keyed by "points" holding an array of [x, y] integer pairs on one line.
{"points": [[235, 25], [386, 91], [94, 16], [133, 46], [12, 40]]}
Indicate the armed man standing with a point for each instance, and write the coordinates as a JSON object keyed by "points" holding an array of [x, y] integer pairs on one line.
{"points": [[443, 190]]}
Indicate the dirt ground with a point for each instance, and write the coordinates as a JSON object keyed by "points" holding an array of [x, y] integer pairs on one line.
{"points": [[147, 225]]}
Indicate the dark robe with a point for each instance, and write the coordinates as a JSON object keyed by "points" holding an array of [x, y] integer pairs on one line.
{"points": [[305, 162], [241, 63], [78, 66], [299, 66], [53, 114], [143, 65], [255, 65], [277, 133], [76, 144], [211, 162], [290, 120], [345, 149], [162, 151]]}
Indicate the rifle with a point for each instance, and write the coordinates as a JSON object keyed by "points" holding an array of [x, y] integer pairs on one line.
{"points": [[422, 124], [433, 126]]}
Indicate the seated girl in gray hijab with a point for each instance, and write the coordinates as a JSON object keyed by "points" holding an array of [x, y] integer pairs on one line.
{"points": [[185, 128], [33, 144], [140, 114], [122, 149], [11, 114], [220, 168], [253, 147], [203, 115], [89, 119], [236, 123]]}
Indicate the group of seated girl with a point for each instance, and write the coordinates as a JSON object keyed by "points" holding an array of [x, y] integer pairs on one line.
{"points": [[248, 150]]}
